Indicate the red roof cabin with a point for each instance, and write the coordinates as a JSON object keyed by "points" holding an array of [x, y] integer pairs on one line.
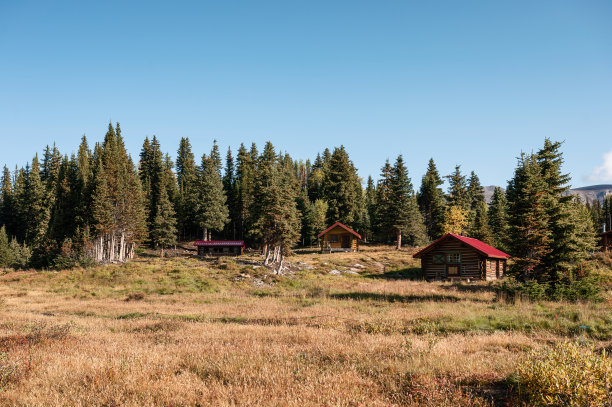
{"points": [[454, 257], [339, 238], [219, 247]]}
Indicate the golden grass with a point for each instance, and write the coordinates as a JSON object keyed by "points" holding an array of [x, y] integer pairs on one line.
{"points": [[179, 332]]}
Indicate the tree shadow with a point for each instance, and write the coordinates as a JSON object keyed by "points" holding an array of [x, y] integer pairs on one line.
{"points": [[411, 273], [469, 288], [411, 298]]}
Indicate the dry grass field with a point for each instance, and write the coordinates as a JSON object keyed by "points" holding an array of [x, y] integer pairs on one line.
{"points": [[347, 329]]}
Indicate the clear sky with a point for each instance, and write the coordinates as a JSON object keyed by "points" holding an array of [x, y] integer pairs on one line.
{"points": [[465, 82]]}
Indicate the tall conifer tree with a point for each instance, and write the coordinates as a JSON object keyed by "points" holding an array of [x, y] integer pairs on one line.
{"points": [[431, 201]]}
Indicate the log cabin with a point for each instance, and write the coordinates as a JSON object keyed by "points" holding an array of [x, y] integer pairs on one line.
{"points": [[606, 241], [219, 247], [455, 257], [339, 238]]}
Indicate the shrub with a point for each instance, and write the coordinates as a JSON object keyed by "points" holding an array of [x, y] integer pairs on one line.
{"points": [[585, 288], [566, 374]]}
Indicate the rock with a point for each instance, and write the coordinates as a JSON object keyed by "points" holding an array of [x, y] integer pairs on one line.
{"points": [[361, 266], [335, 272]]}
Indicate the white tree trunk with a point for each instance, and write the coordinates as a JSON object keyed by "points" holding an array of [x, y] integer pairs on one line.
{"points": [[267, 260]]}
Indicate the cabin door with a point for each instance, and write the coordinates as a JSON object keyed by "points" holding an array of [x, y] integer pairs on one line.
{"points": [[452, 270], [346, 241]]}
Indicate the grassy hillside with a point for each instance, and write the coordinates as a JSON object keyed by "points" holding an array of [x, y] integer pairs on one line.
{"points": [[342, 329]]}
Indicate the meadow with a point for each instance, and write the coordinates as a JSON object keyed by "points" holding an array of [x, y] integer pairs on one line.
{"points": [[342, 329]]}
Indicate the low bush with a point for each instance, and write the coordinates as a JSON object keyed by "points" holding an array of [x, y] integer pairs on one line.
{"points": [[582, 289], [566, 374]]}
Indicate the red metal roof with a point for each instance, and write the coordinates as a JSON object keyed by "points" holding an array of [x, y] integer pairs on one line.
{"points": [[481, 247], [218, 243], [342, 226]]}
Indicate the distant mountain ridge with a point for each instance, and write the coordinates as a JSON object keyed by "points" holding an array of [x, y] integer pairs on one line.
{"points": [[593, 192], [590, 193]]}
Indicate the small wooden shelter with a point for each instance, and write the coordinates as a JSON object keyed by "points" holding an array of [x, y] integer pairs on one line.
{"points": [[339, 238], [459, 257], [606, 241], [219, 247]]}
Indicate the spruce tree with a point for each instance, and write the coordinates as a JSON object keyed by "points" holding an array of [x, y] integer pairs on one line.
{"points": [[37, 213], [229, 186], [407, 220], [211, 210], [478, 222], [457, 191], [431, 201], [339, 189], [163, 233], [529, 233], [383, 219], [6, 257], [370, 207], [187, 179], [7, 203], [498, 219], [570, 243]]}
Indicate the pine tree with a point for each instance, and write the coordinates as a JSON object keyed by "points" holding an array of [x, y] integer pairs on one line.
{"points": [[529, 233], [370, 207], [7, 204], [6, 257], [384, 217], [498, 219], [20, 204], [570, 243], [152, 173], [37, 213], [211, 209], [229, 186], [407, 220], [431, 201], [339, 189], [276, 221], [187, 180], [163, 233], [478, 222], [457, 192], [81, 189]]}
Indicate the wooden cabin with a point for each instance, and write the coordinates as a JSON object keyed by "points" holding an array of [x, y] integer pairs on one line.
{"points": [[455, 257], [606, 242], [219, 247], [339, 238]]}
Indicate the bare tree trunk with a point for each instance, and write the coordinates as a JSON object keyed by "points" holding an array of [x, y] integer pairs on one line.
{"points": [[209, 235], [399, 240], [162, 252], [205, 234], [267, 260], [280, 264]]}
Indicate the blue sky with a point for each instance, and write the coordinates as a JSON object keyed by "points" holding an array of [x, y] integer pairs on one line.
{"points": [[465, 82]]}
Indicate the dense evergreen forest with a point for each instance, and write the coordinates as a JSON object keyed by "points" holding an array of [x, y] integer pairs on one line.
{"points": [[99, 205]]}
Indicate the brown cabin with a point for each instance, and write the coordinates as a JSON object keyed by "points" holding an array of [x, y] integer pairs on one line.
{"points": [[219, 247], [454, 257], [339, 238], [606, 241]]}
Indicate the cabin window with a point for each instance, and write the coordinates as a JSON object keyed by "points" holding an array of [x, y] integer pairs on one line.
{"points": [[491, 265], [453, 258], [438, 259], [333, 238]]}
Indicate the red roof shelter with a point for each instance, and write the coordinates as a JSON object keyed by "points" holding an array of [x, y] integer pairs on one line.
{"points": [[219, 247], [459, 257]]}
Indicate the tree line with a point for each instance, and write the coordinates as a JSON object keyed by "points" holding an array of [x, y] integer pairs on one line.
{"points": [[99, 205]]}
